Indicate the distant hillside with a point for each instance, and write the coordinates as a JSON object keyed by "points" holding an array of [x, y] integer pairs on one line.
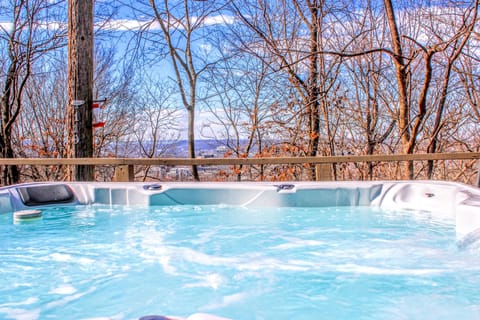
{"points": [[202, 147]]}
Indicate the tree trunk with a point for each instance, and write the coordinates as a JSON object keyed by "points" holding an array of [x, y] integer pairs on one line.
{"points": [[401, 77], [437, 125], [313, 88], [433, 146], [10, 98], [9, 173], [313, 107], [191, 141]]}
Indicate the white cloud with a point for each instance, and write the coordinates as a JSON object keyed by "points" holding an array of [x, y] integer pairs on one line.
{"points": [[219, 19], [6, 26], [132, 25]]}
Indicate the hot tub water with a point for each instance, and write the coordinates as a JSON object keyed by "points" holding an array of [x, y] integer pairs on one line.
{"points": [[120, 262]]}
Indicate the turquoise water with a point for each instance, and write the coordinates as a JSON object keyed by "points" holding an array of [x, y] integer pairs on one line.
{"points": [[288, 263]]}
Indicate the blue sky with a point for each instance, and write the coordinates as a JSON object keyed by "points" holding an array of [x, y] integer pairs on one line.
{"points": [[119, 29]]}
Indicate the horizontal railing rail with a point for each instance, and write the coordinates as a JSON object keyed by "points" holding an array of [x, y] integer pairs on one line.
{"points": [[241, 161], [124, 167]]}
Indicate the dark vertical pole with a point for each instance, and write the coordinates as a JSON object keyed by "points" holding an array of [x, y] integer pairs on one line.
{"points": [[80, 85]]}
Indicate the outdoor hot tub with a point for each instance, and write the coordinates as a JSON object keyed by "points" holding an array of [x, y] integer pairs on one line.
{"points": [[303, 250]]}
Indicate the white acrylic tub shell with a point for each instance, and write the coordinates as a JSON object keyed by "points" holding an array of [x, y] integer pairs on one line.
{"points": [[449, 200]]}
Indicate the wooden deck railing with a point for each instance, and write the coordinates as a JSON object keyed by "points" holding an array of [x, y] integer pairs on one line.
{"points": [[124, 166]]}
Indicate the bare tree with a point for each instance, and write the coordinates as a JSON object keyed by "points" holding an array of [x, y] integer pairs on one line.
{"points": [[412, 58], [41, 128], [243, 89], [401, 65], [174, 30], [27, 39], [464, 23], [156, 121], [293, 33], [367, 118]]}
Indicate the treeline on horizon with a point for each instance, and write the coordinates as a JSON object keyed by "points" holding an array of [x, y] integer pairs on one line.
{"points": [[263, 78]]}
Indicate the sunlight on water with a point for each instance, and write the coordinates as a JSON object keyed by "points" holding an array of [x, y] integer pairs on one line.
{"points": [[293, 263]]}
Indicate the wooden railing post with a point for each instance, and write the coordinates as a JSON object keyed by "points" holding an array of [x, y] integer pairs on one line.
{"points": [[124, 173], [478, 174], [323, 172]]}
